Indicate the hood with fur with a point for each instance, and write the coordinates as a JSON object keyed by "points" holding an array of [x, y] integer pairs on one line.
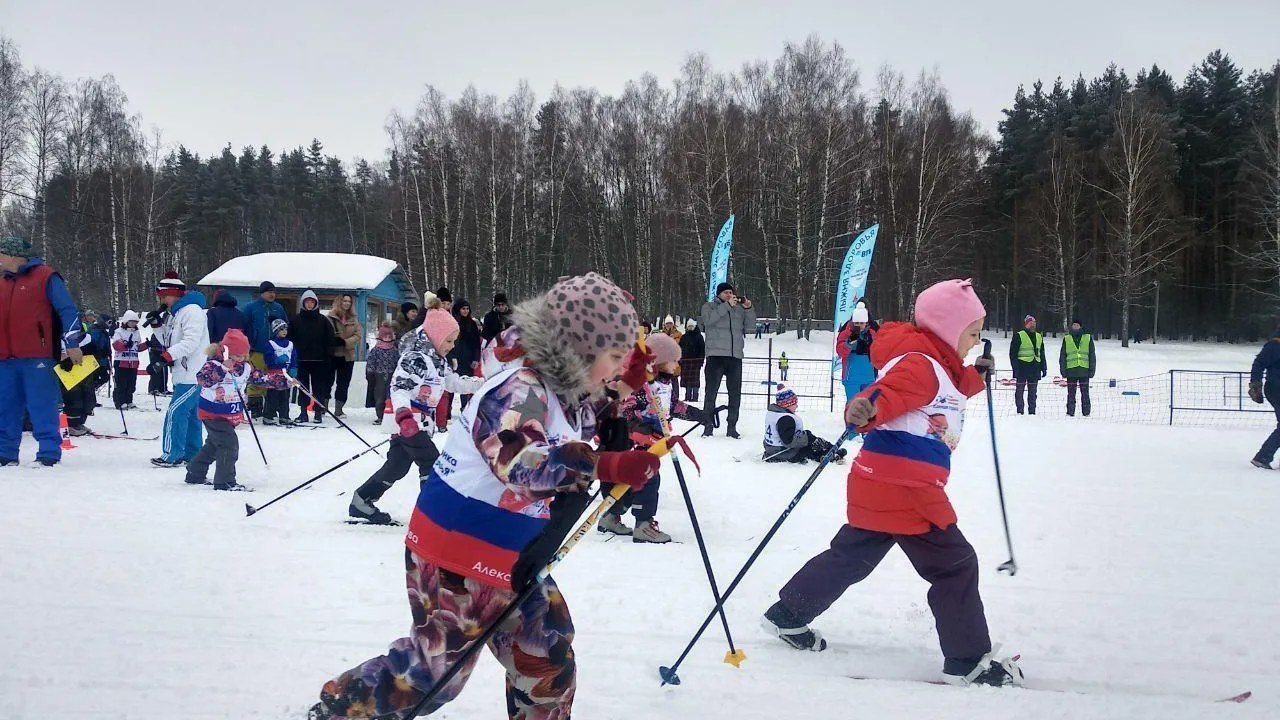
{"points": [[566, 373]]}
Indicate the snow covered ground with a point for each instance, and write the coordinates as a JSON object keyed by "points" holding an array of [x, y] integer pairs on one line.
{"points": [[1147, 580]]}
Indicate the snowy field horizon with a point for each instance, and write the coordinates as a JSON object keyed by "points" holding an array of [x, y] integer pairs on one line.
{"points": [[1146, 586]]}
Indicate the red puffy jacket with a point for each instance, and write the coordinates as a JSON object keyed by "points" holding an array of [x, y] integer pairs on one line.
{"points": [[885, 506]]}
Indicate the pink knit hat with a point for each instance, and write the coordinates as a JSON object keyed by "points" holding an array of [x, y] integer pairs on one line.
{"points": [[593, 314], [947, 308], [439, 324], [664, 347]]}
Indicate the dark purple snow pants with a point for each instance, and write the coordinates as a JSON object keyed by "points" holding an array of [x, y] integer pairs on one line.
{"points": [[944, 558]]}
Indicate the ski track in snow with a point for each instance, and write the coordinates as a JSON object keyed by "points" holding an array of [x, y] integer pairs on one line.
{"points": [[1147, 580]]}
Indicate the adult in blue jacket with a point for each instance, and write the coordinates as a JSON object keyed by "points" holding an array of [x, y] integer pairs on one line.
{"points": [[1264, 386], [224, 316], [853, 346], [259, 315], [38, 320]]}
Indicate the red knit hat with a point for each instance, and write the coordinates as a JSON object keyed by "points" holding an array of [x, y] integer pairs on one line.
{"points": [[235, 342], [171, 285]]}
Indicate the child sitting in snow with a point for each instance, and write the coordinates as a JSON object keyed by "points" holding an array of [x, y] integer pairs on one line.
{"points": [[126, 343], [222, 382], [643, 411], [281, 358], [785, 439], [379, 367]]}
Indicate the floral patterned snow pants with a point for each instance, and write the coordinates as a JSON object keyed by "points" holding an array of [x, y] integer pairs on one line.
{"points": [[449, 611]]}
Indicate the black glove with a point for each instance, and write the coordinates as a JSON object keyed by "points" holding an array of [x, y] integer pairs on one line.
{"points": [[1255, 391], [614, 435], [66, 365], [1044, 372], [565, 511]]}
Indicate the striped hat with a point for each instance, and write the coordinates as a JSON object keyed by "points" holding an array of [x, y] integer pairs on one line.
{"points": [[786, 397], [171, 285]]}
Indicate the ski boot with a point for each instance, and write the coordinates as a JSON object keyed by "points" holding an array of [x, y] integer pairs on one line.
{"points": [[648, 532], [362, 509], [986, 670], [610, 523], [782, 623]]}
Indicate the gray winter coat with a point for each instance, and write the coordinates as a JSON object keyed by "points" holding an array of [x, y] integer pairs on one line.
{"points": [[724, 326]]}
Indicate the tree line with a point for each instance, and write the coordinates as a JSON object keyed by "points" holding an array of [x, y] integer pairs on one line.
{"points": [[1095, 199]]}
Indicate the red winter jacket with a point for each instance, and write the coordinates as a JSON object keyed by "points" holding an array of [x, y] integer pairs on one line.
{"points": [[886, 506], [27, 328]]}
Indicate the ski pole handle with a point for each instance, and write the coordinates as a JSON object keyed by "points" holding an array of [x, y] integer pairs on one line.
{"points": [[986, 352]]}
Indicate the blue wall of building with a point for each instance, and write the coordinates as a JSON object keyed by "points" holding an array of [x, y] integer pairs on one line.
{"points": [[387, 294]]}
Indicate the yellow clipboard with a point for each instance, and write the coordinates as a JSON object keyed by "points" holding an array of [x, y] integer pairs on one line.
{"points": [[77, 373]]}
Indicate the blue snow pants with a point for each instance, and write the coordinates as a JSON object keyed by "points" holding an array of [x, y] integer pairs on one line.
{"points": [[29, 384], [182, 438]]}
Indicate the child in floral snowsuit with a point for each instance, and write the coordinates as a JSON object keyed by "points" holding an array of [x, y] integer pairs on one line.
{"points": [[491, 497], [220, 407], [644, 427], [379, 367]]}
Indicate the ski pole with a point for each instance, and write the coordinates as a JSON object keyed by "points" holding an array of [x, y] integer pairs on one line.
{"points": [[668, 674], [335, 417], [733, 656], [250, 510], [715, 421], [245, 409], [1010, 566], [583, 529], [122, 421]]}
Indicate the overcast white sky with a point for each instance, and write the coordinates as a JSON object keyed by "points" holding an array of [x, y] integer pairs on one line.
{"points": [[280, 72]]}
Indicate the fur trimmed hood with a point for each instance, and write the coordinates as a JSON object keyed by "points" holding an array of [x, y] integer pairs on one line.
{"points": [[566, 373]]}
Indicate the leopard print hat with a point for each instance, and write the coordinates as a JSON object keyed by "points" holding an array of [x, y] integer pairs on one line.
{"points": [[593, 314]]}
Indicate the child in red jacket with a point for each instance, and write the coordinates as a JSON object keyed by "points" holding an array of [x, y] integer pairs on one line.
{"points": [[897, 492]]}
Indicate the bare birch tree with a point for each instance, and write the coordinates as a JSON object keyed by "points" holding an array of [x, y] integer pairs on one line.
{"points": [[1058, 218], [1143, 234]]}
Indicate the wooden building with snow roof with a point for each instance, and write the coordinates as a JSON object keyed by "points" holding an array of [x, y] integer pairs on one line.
{"points": [[378, 285]]}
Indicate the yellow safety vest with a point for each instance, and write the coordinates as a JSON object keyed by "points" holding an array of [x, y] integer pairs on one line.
{"points": [[1077, 355], [1029, 350], [783, 363]]}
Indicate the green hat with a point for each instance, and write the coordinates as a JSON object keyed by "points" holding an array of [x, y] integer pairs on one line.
{"points": [[15, 246]]}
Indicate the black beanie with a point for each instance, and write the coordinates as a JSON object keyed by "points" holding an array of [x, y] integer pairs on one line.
{"points": [[500, 299], [722, 287], [406, 307], [444, 295]]}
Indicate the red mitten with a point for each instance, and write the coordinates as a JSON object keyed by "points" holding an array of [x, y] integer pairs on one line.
{"points": [[407, 422], [635, 367], [629, 467], [168, 359]]}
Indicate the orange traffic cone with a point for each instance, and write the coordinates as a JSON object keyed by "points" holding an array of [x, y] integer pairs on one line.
{"points": [[66, 434]]}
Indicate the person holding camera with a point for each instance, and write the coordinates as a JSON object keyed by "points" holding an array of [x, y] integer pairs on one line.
{"points": [[724, 323]]}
